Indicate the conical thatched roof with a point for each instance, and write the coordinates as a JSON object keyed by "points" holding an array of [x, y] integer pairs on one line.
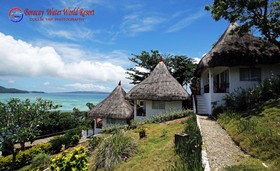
{"points": [[114, 106], [233, 49], [160, 85]]}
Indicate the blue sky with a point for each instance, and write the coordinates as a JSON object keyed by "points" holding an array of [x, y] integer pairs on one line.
{"points": [[92, 55]]}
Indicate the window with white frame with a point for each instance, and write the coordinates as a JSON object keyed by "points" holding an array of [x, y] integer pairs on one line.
{"points": [[158, 105], [250, 74]]}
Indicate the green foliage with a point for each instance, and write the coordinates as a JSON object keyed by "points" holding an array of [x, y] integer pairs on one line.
{"points": [[256, 131], [57, 121], [142, 133], [19, 120], [165, 117], [189, 150], [76, 159], [113, 150], [70, 139], [90, 105], [112, 129], [247, 165], [180, 67], [41, 161], [94, 142], [23, 157], [242, 100], [260, 14]]}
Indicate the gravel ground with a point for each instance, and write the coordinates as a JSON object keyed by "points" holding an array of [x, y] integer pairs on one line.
{"points": [[221, 150]]}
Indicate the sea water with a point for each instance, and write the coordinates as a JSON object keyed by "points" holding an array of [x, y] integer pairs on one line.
{"points": [[67, 100]]}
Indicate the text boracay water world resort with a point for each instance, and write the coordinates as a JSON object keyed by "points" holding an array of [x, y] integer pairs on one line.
{"points": [[52, 14]]}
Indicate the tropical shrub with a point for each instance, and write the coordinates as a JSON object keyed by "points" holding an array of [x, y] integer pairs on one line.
{"points": [[113, 150], [41, 161], [112, 129], [23, 157], [76, 159], [241, 99], [70, 139], [94, 142]]}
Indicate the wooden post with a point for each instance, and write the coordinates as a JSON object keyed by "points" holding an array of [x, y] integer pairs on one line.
{"points": [[180, 138]]}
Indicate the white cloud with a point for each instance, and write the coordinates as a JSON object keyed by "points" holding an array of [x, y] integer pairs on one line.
{"points": [[47, 83], [76, 33], [87, 87], [19, 58], [196, 60], [141, 69], [137, 23], [11, 81], [185, 22]]}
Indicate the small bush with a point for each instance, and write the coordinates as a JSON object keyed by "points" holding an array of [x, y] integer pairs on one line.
{"points": [[57, 143], [23, 157], [113, 150], [166, 117], [242, 100], [76, 159], [142, 133], [41, 161], [94, 142], [70, 139], [112, 129]]}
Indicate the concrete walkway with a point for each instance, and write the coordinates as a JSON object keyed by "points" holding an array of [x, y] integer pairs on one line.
{"points": [[221, 150]]}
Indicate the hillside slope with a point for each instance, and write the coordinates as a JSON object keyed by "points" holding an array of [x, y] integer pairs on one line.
{"points": [[257, 131]]}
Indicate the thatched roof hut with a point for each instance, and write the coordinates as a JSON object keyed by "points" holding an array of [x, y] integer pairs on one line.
{"points": [[233, 49], [115, 106], [159, 85]]}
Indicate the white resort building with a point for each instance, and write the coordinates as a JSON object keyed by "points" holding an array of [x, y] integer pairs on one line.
{"points": [[160, 92], [234, 61]]}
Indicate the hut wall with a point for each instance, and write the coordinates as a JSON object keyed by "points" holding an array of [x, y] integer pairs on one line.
{"points": [[266, 72], [235, 82], [110, 121], [169, 107]]}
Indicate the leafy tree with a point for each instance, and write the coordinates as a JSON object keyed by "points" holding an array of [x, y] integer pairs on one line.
{"points": [[181, 67], [90, 105], [261, 14], [20, 119]]}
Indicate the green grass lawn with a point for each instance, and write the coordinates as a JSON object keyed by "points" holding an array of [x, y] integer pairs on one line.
{"points": [[257, 131], [155, 151]]}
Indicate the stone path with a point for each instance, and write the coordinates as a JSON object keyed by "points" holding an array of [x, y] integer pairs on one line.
{"points": [[221, 150]]}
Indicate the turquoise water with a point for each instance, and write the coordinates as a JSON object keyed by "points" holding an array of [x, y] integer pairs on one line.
{"points": [[67, 100]]}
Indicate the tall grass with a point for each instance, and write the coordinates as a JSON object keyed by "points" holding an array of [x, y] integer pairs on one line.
{"points": [[189, 150], [113, 150], [257, 134]]}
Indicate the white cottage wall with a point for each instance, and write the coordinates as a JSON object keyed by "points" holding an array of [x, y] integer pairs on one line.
{"points": [[169, 107], [109, 121]]}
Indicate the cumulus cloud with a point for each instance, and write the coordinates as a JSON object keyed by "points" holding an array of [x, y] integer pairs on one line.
{"points": [[19, 58]]}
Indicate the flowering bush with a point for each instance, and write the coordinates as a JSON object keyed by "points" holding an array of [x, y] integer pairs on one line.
{"points": [[76, 159]]}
